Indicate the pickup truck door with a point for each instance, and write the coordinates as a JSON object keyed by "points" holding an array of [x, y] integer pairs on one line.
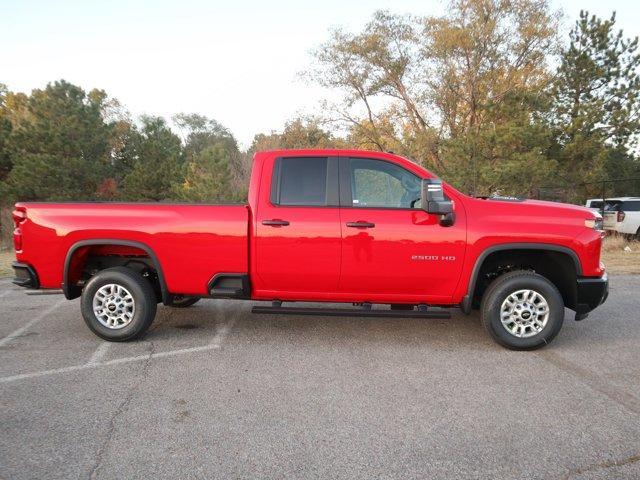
{"points": [[393, 251], [298, 238]]}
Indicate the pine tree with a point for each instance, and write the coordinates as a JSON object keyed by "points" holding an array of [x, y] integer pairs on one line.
{"points": [[157, 158], [58, 143], [596, 103]]}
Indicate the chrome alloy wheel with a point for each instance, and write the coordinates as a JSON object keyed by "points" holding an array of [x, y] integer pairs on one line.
{"points": [[524, 313], [113, 306]]}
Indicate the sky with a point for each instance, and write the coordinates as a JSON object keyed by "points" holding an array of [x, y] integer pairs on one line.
{"points": [[237, 61]]}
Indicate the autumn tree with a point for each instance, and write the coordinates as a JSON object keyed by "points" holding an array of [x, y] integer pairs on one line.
{"points": [[443, 89], [299, 133]]}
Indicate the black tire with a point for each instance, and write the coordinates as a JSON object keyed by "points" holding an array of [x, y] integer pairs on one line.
{"points": [[499, 291], [184, 302], [144, 302]]}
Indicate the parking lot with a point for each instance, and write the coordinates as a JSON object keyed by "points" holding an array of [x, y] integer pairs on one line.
{"points": [[216, 392]]}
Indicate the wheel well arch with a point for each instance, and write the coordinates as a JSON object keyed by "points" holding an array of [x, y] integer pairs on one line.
{"points": [[77, 254], [558, 264]]}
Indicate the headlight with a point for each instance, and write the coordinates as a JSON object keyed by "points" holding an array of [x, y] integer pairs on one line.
{"points": [[595, 223]]}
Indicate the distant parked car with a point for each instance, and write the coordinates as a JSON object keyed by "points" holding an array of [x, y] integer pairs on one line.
{"points": [[595, 204], [621, 214]]}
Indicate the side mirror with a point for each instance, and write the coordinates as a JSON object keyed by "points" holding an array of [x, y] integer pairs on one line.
{"points": [[434, 199]]}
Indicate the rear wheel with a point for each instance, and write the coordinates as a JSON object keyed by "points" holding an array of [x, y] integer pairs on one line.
{"points": [[183, 302], [522, 310], [118, 304]]}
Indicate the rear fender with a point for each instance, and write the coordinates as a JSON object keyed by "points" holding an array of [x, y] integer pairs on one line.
{"points": [[72, 261]]}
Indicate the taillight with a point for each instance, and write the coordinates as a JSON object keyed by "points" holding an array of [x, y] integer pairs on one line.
{"points": [[620, 216], [17, 239], [19, 216]]}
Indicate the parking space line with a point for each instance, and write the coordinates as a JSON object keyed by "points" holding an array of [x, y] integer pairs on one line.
{"points": [[99, 353], [215, 344], [28, 325]]}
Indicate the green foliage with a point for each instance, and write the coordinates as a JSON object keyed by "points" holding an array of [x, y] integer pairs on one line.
{"points": [[215, 170], [61, 143], [58, 144], [509, 155], [5, 131], [596, 104], [208, 177], [156, 158]]}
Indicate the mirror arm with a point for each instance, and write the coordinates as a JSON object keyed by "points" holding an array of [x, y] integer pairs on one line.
{"points": [[448, 219]]}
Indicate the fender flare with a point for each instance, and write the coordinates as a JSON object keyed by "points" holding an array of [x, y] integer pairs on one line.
{"points": [[71, 292], [465, 305]]}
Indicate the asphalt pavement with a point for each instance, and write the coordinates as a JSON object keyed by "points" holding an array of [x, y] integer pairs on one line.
{"points": [[216, 392]]}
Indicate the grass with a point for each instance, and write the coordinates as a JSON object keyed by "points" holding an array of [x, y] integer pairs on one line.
{"points": [[621, 255], [618, 254], [6, 257]]}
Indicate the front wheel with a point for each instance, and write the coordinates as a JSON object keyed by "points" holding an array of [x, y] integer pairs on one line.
{"points": [[522, 310], [118, 304]]}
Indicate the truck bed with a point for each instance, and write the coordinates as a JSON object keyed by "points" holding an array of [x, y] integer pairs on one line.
{"points": [[192, 243]]}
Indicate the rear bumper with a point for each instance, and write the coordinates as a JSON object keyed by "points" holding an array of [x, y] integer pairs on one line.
{"points": [[592, 292], [25, 275]]}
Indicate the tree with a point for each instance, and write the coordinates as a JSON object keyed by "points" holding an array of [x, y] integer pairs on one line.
{"points": [[208, 177], [5, 131], [298, 133], [442, 89], [201, 132], [596, 103], [157, 158], [58, 143], [122, 142], [215, 169]]}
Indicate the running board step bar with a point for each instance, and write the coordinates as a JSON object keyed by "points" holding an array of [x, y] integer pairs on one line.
{"points": [[351, 312]]}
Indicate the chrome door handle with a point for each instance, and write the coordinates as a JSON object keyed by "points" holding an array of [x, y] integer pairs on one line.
{"points": [[361, 224], [275, 223]]}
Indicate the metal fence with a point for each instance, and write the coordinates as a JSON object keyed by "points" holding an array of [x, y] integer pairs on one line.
{"points": [[581, 192]]}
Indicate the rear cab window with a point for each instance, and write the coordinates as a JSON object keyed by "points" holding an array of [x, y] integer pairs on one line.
{"points": [[304, 181]]}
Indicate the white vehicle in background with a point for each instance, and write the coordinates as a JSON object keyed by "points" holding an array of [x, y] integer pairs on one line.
{"points": [[621, 214], [595, 204]]}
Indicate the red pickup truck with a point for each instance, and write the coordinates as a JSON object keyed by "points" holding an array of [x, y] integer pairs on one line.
{"points": [[363, 228]]}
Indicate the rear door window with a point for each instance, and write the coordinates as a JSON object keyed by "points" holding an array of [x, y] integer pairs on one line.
{"points": [[300, 181], [631, 206]]}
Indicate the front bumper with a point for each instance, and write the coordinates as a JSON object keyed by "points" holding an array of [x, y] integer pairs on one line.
{"points": [[25, 275], [591, 293]]}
